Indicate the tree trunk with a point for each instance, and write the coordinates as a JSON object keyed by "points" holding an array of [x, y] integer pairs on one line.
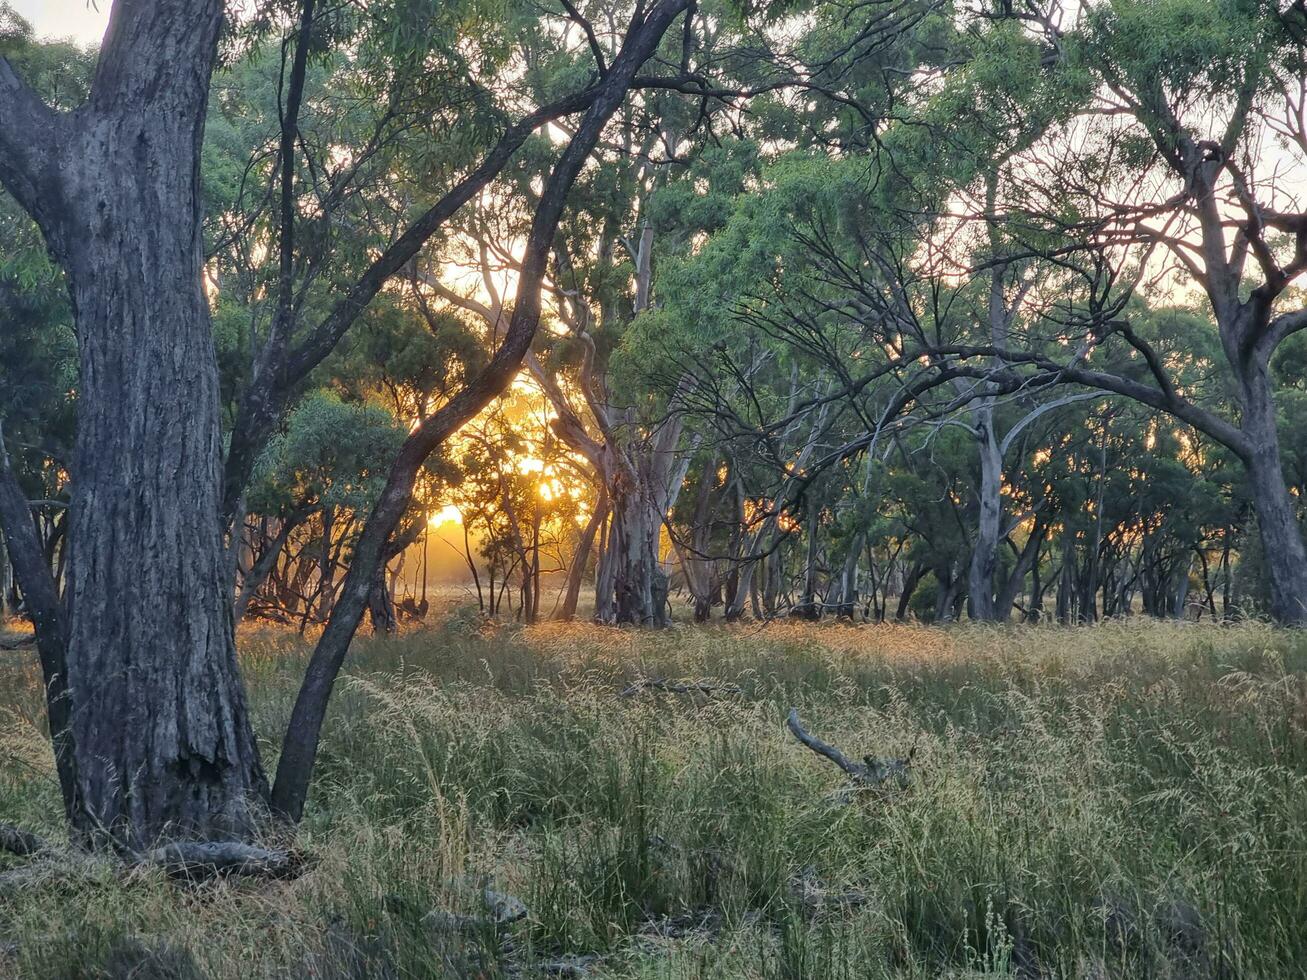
{"points": [[946, 598], [1277, 519], [745, 590], [1026, 560], [846, 596], [637, 526], [584, 546], [381, 607], [644, 482], [984, 556], [605, 573], [159, 727], [910, 583], [1065, 602], [1035, 611], [41, 598], [809, 606]]}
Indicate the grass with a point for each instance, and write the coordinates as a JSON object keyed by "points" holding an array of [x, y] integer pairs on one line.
{"points": [[1128, 800]]}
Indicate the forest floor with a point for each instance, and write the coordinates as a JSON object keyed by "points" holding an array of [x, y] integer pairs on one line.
{"points": [[1122, 800]]}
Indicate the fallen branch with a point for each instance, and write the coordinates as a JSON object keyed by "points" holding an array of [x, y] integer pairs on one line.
{"points": [[55, 867], [870, 772], [814, 896], [570, 965], [27, 640], [678, 687], [184, 859], [491, 909], [20, 842], [215, 858]]}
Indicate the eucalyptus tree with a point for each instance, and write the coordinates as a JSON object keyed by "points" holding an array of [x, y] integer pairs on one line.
{"points": [[667, 181], [146, 703], [1137, 135], [144, 649], [1177, 166], [314, 484], [665, 177]]}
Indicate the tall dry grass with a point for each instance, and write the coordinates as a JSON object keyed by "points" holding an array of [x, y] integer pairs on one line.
{"points": [[1124, 800]]}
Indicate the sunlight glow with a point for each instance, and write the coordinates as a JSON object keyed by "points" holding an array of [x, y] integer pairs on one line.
{"points": [[449, 514]]}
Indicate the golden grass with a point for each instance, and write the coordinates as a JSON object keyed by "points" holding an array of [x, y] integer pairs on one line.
{"points": [[1124, 800]]}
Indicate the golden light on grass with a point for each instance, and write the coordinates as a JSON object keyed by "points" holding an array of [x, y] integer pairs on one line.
{"points": [[1148, 771]]}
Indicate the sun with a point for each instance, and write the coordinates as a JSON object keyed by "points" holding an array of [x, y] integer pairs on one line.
{"points": [[449, 514]]}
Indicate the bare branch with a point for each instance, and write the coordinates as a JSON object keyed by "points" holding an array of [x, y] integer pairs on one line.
{"points": [[870, 772]]}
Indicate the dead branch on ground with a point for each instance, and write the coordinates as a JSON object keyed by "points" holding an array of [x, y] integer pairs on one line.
{"points": [[872, 771]]}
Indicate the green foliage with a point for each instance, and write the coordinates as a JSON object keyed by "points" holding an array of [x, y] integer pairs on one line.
{"points": [[332, 454], [1195, 50], [15, 32]]}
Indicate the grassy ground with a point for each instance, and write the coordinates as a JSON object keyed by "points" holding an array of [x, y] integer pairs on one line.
{"points": [[1126, 800]]}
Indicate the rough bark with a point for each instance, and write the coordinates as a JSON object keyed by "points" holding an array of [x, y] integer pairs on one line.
{"points": [[160, 733], [1277, 518]]}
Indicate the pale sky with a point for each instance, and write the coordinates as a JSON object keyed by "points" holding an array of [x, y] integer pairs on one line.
{"points": [[82, 20]]}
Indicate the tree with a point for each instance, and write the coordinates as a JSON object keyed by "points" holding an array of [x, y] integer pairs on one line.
{"points": [[1183, 96], [152, 732], [142, 662]]}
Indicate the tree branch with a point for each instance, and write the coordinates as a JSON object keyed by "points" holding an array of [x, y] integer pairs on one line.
{"points": [[30, 138], [295, 768], [41, 594]]}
